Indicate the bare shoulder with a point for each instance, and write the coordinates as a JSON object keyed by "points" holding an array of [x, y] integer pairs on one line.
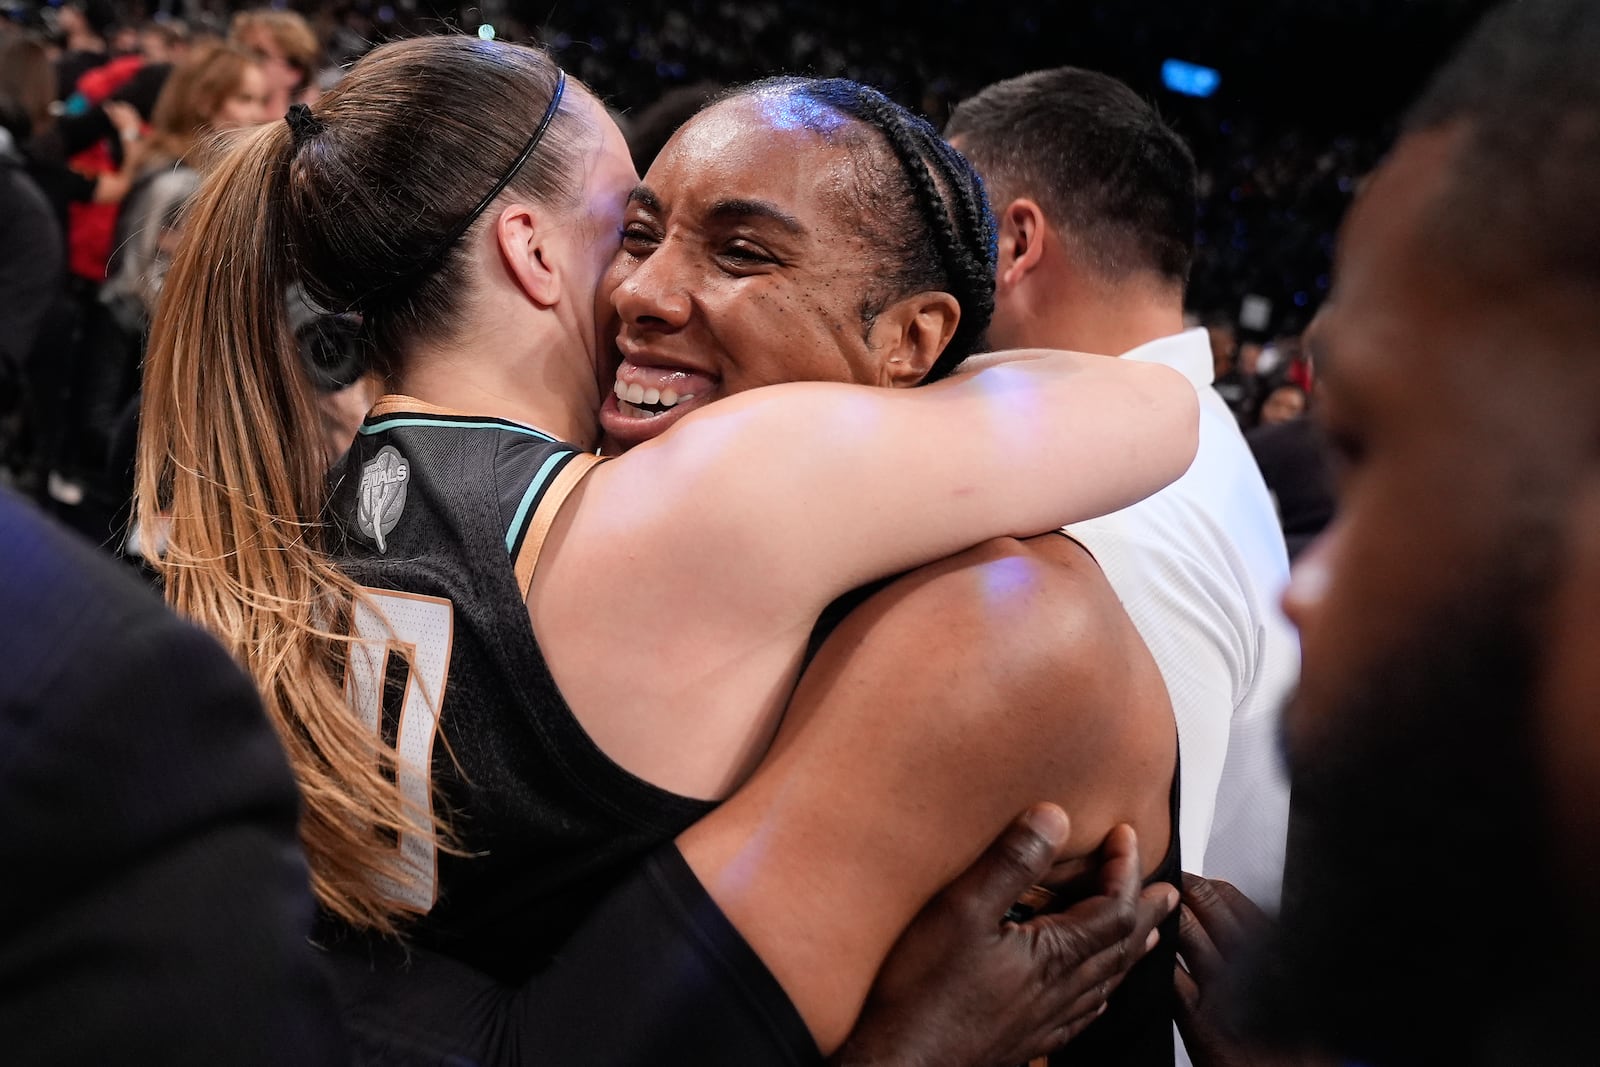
{"points": [[1018, 655], [1041, 607]]}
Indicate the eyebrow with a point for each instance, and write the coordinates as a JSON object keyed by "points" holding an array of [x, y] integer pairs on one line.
{"points": [[646, 198], [744, 209], [733, 208]]}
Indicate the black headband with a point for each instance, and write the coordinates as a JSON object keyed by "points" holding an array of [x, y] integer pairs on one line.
{"points": [[505, 179], [304, 125]]}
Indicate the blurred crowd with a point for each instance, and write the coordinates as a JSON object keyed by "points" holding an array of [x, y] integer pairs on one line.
{"points": [[1424, 683], [107, 112]]}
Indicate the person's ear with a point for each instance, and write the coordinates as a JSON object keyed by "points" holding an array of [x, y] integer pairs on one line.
{"points": [[1022, 232], [521, 234], [909, 335]]}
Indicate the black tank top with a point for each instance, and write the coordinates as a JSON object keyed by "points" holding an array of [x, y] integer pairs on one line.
{"points": [[1136, 1030], [441, 515]]}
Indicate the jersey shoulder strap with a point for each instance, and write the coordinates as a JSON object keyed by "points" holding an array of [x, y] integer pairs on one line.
{"points": [[533, 471], [543, 500]]}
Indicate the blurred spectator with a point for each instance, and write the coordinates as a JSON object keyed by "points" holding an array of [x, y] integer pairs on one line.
{"points": [[99, 154], [125, 40], [1294, 463], [219, 88], [31, 256], [31, 272], [1224, 343], [1285, 402], [46, 345], [85, 24], [1248, 359], [1237, 388], [46, 143], [164, 41], [286, 48]]}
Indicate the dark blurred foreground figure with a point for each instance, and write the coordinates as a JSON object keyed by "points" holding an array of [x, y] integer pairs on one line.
{"points": [[156, 903], [1444, 855], [31, 271]]}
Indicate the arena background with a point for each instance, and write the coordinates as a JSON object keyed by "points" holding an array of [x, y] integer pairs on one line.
{"points": [[1307, 97], [1309, 93]]}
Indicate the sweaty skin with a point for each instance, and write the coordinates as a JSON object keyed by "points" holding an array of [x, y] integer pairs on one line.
{"points": [[1026, 680]]}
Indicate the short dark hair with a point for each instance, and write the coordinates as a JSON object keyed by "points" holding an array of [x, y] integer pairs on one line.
{"points": [[1097, 158], [927, 211], [1524, 185]]}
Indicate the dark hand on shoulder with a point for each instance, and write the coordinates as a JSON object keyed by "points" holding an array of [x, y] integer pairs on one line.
{"points": [[964, 989], [1216, 923]]}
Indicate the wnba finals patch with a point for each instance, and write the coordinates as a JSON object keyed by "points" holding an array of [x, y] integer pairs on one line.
{"points": [[382, 495]]}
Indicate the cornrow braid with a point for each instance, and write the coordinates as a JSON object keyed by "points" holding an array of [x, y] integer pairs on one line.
{"points": [[954, 243], [966, 243]]}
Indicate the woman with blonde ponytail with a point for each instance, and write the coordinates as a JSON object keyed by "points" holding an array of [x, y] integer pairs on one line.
{"points": [[477, 768]]}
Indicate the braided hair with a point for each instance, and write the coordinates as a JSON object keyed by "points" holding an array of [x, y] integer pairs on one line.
{"points": [[930, 213]]}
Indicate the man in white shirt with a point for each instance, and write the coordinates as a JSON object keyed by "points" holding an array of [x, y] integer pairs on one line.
{"points": [[1095, 199]]}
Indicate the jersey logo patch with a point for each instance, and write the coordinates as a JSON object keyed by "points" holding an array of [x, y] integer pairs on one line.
{"points": [[382, 496]]}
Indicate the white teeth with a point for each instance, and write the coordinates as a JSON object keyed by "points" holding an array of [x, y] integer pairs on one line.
{"points": [[631, 393]]}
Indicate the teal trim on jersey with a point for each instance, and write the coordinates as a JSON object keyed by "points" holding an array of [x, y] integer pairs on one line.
{"points": [[389, 424], [534, 489]]}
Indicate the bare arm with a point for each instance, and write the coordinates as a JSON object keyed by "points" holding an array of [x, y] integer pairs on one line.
{"points": [[785, 497], [675, 594], [937, 709]]}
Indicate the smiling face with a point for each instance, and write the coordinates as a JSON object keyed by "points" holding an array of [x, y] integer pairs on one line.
{"points": [[282, 78], [1284, 404], [246, 104], [743, 263]]}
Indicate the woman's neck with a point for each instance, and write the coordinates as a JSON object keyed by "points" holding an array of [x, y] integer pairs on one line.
{"points": [[544, 382]]}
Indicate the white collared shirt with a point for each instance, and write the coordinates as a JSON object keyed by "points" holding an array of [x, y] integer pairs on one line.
{"points": [[1200, 567]]}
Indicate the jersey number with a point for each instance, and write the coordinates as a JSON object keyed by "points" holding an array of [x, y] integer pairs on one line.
{"points": [[404, 636]]}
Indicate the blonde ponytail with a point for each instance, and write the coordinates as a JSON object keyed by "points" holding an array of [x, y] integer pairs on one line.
{"points": [[231, 462]]}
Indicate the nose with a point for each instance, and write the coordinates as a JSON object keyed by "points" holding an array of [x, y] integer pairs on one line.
{"points": [[654, 291], [1311, 578]]}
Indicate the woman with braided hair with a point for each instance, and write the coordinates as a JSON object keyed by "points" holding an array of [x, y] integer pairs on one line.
{"points": [[477, 764], [791, 211]]}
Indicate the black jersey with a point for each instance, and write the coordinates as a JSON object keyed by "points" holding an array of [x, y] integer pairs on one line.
{"points": [[441, 516], [1136, 1030], [656, 975]]}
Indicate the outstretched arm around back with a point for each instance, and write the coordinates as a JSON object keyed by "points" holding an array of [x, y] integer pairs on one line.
{"points": [[780, 499]]}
